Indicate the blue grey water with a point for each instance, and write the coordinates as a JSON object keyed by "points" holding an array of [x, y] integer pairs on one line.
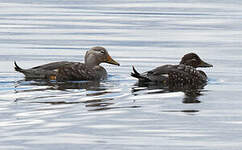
{"points": [[116, 113]]}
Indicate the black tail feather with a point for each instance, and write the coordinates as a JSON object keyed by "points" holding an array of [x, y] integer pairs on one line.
{"points": [[136, 74], [17, 68]]}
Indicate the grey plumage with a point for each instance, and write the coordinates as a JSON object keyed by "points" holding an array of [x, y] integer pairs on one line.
{"points": [[64, 70]]}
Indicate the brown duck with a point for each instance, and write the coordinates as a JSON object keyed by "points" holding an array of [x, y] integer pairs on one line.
{"points": [[185, 73], [72, 71]]}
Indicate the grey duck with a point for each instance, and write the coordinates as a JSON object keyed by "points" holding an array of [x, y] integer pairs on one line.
{"points": [[72, 71]]}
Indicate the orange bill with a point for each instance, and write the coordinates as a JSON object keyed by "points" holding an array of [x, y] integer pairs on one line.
{"points": [[111, 61]]}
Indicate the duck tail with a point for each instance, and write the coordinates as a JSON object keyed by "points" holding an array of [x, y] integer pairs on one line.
{"points": [[17, 68], [139, 76], [135, 74]]}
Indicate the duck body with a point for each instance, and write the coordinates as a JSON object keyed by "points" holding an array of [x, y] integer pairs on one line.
{"points": [[72, 71], [80, 71], [43, 71], [172, 75], [182, 74]]}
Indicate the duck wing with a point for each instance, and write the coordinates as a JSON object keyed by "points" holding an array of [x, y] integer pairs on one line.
{"points": [[158, 74], [42, 71], [53, 66], [80, 71]]}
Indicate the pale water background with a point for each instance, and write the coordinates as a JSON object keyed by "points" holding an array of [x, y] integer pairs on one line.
{"points": [[116, 114]]}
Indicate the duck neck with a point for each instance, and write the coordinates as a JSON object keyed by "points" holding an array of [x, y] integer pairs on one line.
{"points": [[91, 61]]}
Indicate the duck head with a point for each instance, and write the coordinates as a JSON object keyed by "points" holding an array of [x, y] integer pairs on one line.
{"points": [[194, 60], [97, 55]]}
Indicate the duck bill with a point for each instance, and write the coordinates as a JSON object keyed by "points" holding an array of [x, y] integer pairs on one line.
{"points": [[204, 64], [111, 61]]}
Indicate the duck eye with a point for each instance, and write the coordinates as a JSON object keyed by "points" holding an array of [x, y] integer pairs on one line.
{"points": [[102, 51]]}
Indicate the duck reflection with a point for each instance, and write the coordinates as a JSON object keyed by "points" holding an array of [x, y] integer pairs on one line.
{"points": [[191, 92], [87, 85], [92, 93]]}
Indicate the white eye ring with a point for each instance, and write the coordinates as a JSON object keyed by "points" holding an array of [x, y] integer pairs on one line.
{"points": [[102, 51]]}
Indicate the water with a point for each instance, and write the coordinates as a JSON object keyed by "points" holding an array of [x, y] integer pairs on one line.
{"points": [[117, 114]]}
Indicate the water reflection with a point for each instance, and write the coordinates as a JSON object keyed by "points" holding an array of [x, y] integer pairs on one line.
{"points": [[191, 96], [88, 85], [92, 93], [191, 93], [95, 95]]}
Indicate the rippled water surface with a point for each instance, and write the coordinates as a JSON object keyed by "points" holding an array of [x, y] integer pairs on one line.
{"points": [[116, 113]]}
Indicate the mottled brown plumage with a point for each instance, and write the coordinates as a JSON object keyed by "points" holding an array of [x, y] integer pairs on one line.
{"points": [[182, 74], [72, 71]]}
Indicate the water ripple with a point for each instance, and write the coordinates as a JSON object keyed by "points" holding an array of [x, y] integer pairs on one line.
{"points": [[119, 113]]}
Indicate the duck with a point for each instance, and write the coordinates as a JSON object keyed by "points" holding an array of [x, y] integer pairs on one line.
{"points": [[183, 74], [73, 71]]}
